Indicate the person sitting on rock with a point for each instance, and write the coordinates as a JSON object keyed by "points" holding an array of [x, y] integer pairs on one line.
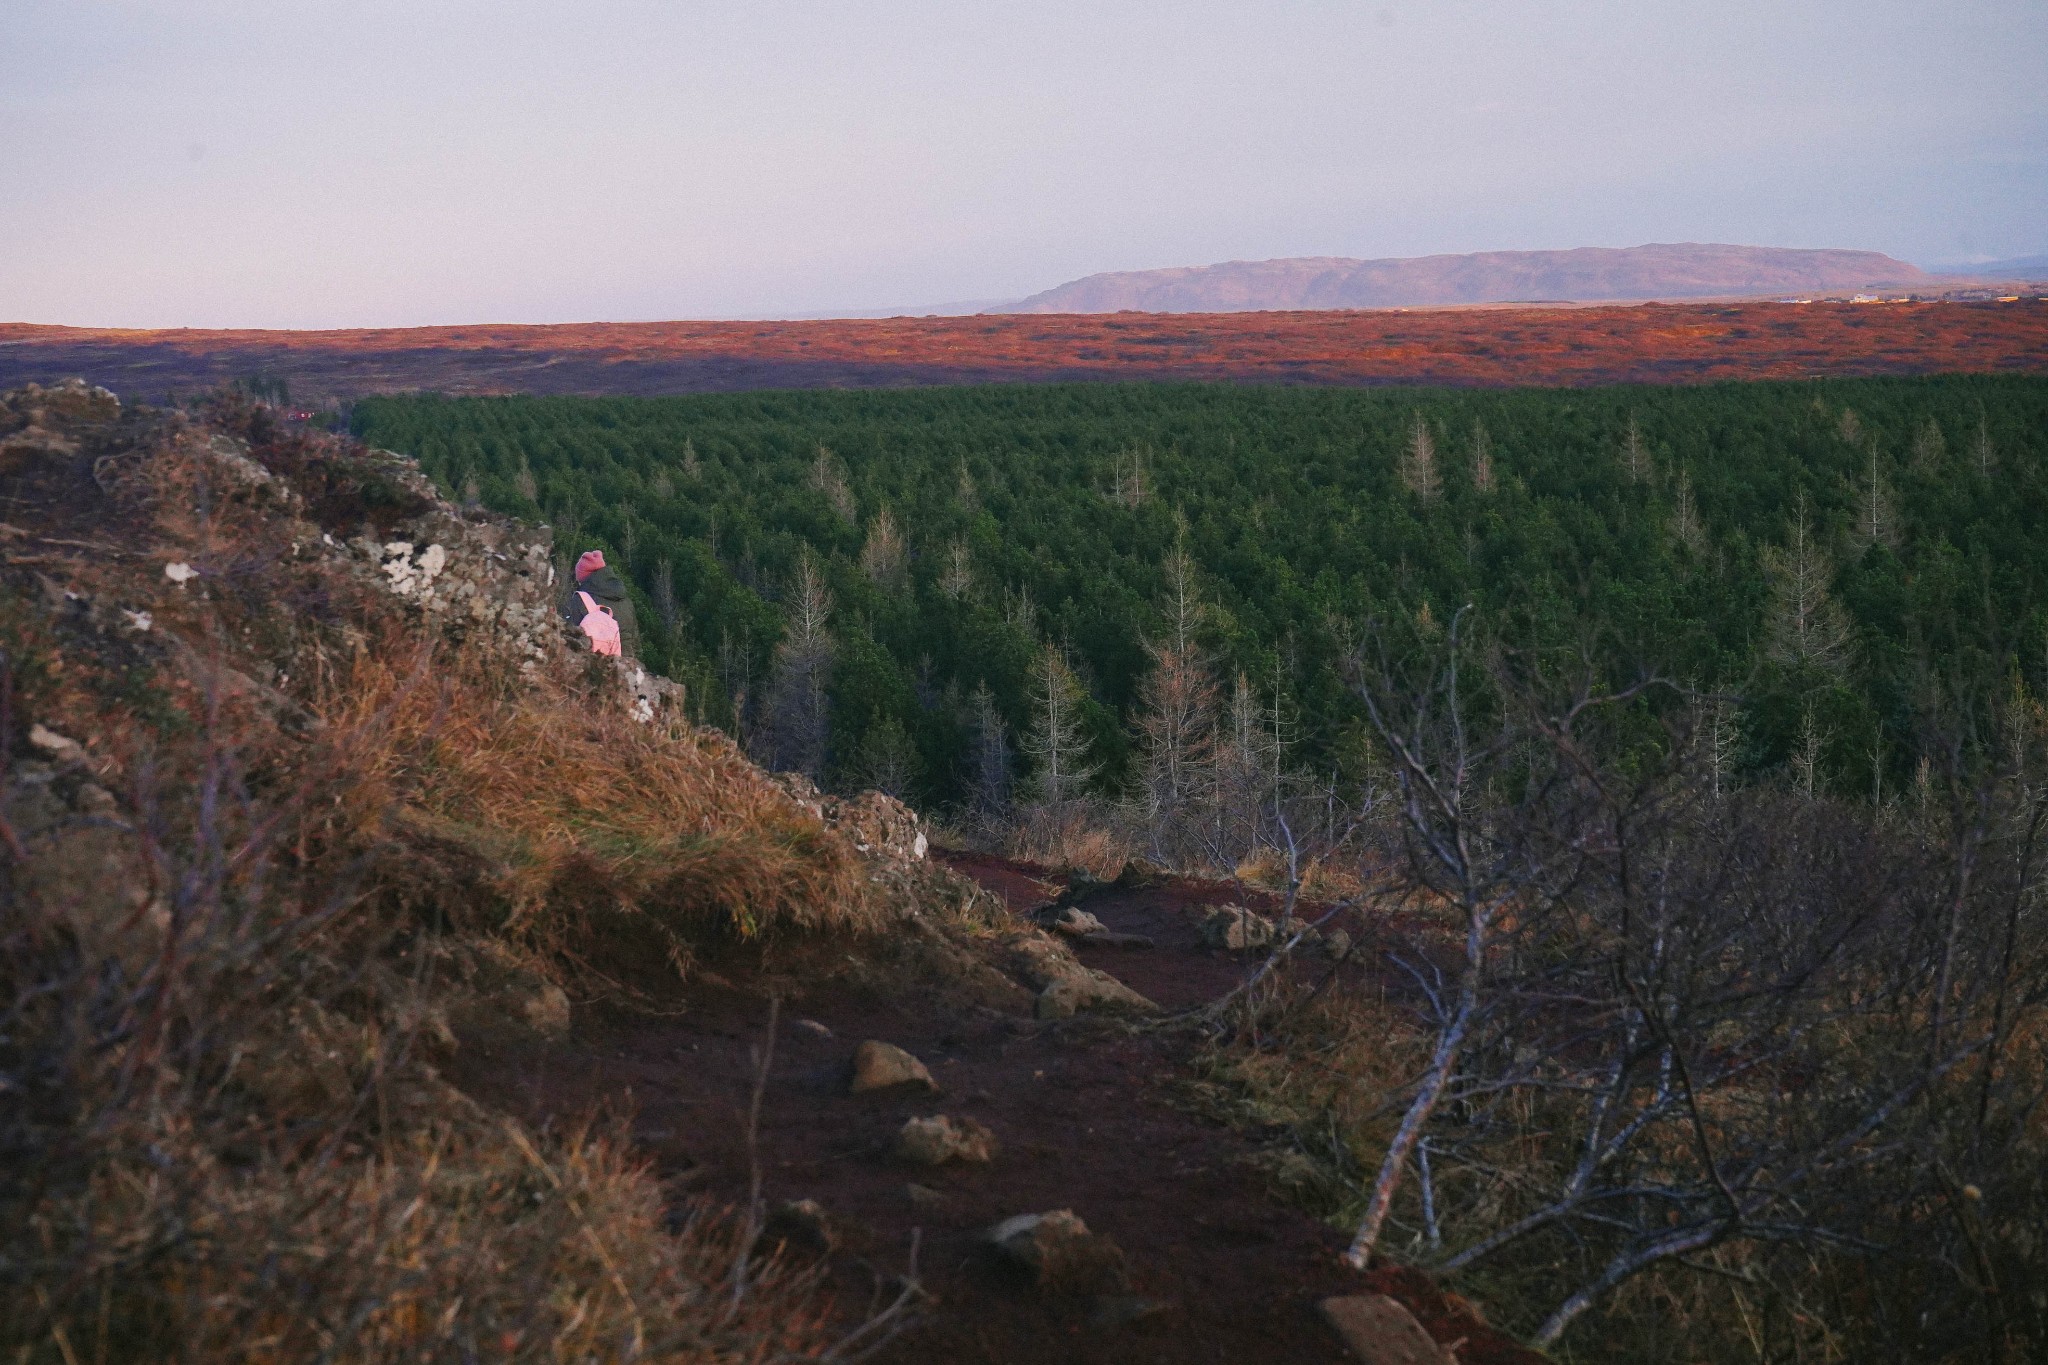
{"points": [[595, 580]]}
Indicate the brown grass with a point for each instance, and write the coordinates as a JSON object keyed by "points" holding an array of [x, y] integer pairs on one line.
{"points": [[224, 1002], [573, 822], [1070, 836]]}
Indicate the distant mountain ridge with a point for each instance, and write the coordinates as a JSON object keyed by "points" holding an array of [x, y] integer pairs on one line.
{"points": [[2018, 268], [1682, 270]]}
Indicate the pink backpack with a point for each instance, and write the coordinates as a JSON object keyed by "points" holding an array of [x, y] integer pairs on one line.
{"points": [[600, 625]]}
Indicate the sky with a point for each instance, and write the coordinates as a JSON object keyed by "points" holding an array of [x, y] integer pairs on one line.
{"points": [[321, 163]]}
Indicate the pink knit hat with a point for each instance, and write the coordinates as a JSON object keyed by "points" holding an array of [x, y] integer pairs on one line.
{"points": [[590, 563]]}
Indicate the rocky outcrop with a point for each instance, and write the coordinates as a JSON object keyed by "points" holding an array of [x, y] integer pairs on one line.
{"points": [[878, 825]]}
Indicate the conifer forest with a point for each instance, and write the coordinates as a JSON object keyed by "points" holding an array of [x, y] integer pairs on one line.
{"points": [[894, 589]]}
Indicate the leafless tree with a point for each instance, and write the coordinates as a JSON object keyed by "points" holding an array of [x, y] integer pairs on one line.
{"points": [[1020, 610], [1635, 455], [826, 478], [1419, 473], [1129, 485], [1930, 448], [882, 554], [958, 579], [1685, 517], [1482, 458], [1056, 743], [1667, 1023], [1177, 717], [1876, 523], [795, 727], [990, 756], [665, 595], [1808, 627], [1438, 763]]}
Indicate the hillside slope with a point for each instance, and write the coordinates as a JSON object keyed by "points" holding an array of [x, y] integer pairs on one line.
{"points": [[1673, 271], [386, 981]]}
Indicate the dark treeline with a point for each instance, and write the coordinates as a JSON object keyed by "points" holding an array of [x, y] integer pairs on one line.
{"points": [[863, 584]]}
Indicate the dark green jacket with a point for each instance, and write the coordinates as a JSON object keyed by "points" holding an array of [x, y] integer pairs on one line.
{"points": [[606, 590]]}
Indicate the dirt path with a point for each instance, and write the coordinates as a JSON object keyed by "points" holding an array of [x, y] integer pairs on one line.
{"points": [[1084, 1111]]}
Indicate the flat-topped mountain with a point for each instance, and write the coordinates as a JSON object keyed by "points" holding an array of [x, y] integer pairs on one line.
{"points": [[1683, 270]]}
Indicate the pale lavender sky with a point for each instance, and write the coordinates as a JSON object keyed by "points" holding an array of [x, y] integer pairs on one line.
{"points": [[300, 163]]}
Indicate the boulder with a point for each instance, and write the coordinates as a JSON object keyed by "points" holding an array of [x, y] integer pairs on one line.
{"points": [[881, 1066], [941, 1138], [1089, 990], [1057, 1252], [1380, 1331], [1236, 929], [1337, 945]]}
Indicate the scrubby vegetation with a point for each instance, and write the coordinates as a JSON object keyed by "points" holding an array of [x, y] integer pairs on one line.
{"points": [[1695, 1007], [1707, 1016], [274, 834]]}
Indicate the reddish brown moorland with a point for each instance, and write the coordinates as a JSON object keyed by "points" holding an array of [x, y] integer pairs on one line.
{"points": [[1641, 343]]}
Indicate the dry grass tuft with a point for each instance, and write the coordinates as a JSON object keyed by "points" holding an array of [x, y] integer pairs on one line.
{"points": [[1071, 835]]}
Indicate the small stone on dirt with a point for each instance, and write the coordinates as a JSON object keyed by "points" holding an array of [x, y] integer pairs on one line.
{"points": [[941, 1138], [814, 1028], [55, 747], [1380, 1331], [1337, 945], [923, 1196], [546, 1010], [1235, 929], [879, 1066], [1089, 990], [1058, 1252], [1078, 923]]}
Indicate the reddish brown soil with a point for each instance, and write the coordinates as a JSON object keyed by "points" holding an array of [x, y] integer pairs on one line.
{"points": [[1648, 343], [1086, 1115]]}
